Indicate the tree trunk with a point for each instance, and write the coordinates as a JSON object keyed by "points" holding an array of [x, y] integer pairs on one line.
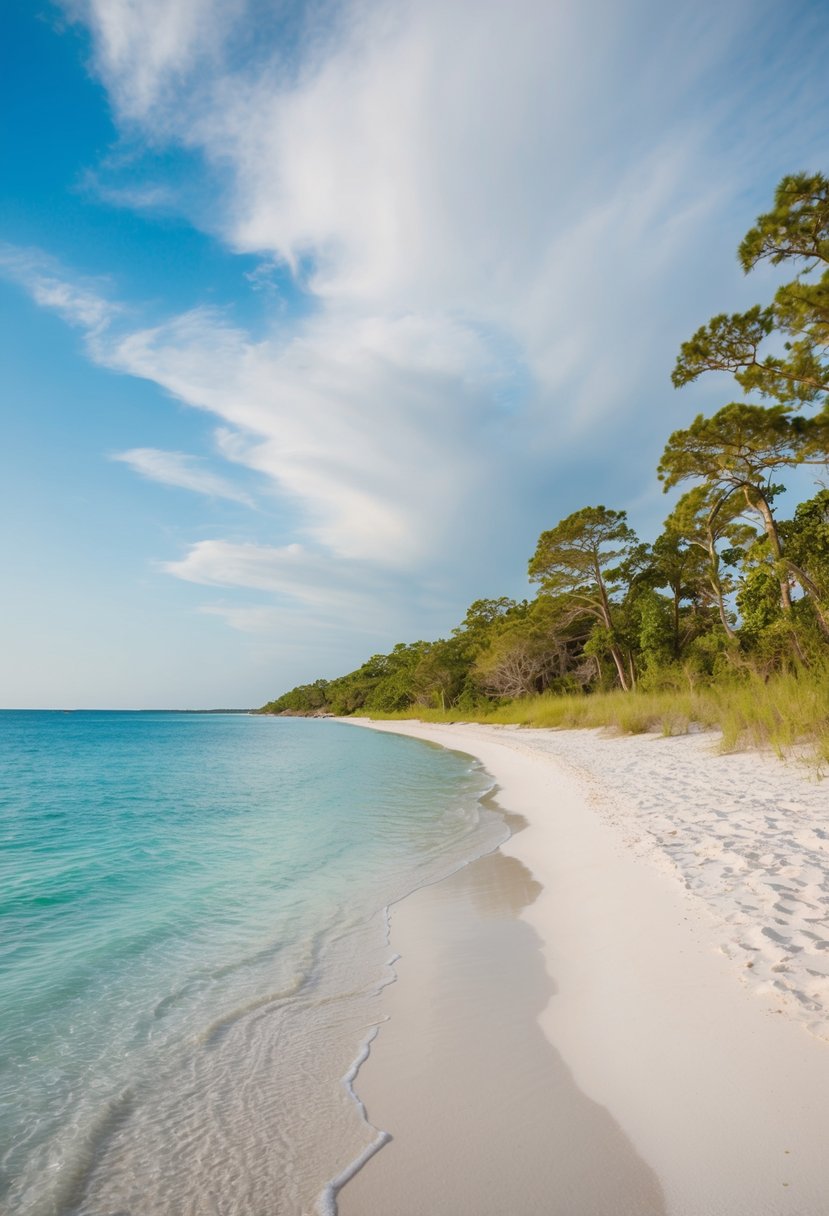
{"points": [[714, 571], [716, 587], [607, 620], [616, 655], [770, 525], [720, 598]]}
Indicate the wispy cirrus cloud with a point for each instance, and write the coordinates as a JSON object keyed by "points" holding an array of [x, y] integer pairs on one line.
{"points": [[505, 218], [146, 52], [301, 585], [80, 302], [363, 422], [216, 563], [181, 470]]}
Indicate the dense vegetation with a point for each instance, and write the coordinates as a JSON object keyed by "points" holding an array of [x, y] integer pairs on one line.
{"points": [[731, 594]]}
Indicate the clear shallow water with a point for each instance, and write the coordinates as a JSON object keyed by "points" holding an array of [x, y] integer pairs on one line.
{"points": [[192, 943]]}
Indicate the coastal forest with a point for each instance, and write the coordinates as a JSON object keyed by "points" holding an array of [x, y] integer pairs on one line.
{"points": [[734, 591]]}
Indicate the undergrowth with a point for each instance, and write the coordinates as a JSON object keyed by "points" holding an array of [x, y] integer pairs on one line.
{"points": [[784, 713]]}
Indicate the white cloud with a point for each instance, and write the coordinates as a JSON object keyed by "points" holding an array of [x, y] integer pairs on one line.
{"points": [[506, 218], [216, 563], [146, 50], [180, 469], [364, 422], [298, 579], [79, 303]]}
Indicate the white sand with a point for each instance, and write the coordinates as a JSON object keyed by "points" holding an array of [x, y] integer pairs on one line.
{"points": [[666, 869]]}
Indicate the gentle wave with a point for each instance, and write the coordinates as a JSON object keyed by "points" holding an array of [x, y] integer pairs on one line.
{"points": [[327, 1202], [197, 945]]}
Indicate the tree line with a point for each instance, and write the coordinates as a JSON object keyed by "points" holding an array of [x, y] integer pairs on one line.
{"points": [[729, 586]]}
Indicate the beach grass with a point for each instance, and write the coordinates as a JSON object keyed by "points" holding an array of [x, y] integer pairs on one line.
{"points": [[786, 713]]}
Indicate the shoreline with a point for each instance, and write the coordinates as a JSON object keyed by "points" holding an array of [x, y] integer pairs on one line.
{"points": [[720, 1091], [469, 1120]]}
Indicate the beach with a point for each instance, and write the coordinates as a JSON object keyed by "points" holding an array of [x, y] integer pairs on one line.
{"points": [[632, 1015]]}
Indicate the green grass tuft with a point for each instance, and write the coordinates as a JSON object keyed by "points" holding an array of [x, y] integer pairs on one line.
{"points": [[785, 713]]}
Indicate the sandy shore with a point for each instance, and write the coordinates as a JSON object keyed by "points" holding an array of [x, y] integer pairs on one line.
{"points": [[681, 919]]}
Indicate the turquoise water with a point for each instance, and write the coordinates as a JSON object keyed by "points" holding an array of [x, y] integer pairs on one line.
{"points": [[194, 937]]}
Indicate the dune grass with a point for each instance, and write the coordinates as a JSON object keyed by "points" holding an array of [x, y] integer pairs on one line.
{"points": [[786, 713]]}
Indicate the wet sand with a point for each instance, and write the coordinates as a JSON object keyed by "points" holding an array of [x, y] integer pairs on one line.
{"points": [[484, 1115]]}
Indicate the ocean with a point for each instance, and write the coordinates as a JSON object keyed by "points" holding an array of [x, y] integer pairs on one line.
{"points": [[193, 943]]}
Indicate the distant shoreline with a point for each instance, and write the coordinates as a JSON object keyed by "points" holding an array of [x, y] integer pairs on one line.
{"points": [[73, 710]]}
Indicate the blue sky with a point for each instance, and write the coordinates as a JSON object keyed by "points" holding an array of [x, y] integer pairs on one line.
{"points": [[315, 315]]}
